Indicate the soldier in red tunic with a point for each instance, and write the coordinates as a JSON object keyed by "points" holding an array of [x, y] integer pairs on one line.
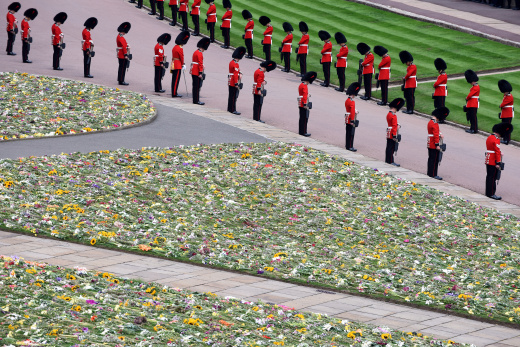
{"points": [[440, 86], [286, 48], [384, 73], [341, 63], [12, 27], [159, 61], [392, 137], [304, 105], [472, 101], [303, 48], [174, 7], [197, 69], [350, 116], [507, 111], [326, 57], [368, 69], [183, 13], [88, 45], [177, 65], [409, 80], [494, 164], [268, 36], [235, 79], [211, 19], [195, 16], [29, 14], [123, 52], [258, 88], [57, 40], [434, 141], [226, 23], [248, 35]]}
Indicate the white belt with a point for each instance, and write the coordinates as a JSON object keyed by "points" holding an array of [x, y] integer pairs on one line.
{"points": [[441, 85], [197, 6], [385, 68], [195, 63], [230, 74], [227, 19], [342, 58], [347, 114], [288, 44], [430, 135], [268, 35], [490, 151], [388, 128], [412, 77], [474, 97], [303, 45], [508, 106], [327, 53], [249, 30], [212, 14]]}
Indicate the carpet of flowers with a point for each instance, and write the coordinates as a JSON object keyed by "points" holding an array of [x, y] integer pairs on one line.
{"points": [[38, 106], [44, 305], [284, 211]]}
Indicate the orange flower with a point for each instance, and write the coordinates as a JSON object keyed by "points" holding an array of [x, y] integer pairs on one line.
{"points": [[223, 322], [145, 248], [93, 318]]}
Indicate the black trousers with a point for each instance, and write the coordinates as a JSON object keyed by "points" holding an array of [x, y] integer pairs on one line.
{"points": [[409, 96], [267, 51], [174, 9], [152, 6], [257, 106], [249, 46], [160, 7], [232, 99], [196, 24], [157, 78], [367, 81], [439, 101], [491, 176], [350, 131], [433, 162], [140, 3], [326, 73], [11, 36], [225, 34], [184, 19], [287, 59], [176, 77], [195, 88], [211, 28], [341, 76], [302, 124], [86, 63], [56, 51], [121, 71], [303, 63], [507, 138], [471, 115], [384, 90], [26, 47], [390, 149]]}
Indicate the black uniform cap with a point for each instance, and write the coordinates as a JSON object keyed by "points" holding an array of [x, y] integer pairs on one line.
{"points": [[31, 13], [340, 38], [269, 65], [405, 57], [91, 23], [246, 14], [310, 76], [397, 103], [440, 64], [380, 50], [505, 86], [353, 89], [124, 27], [441, 113], [287, 27], [226, 3], [182, 38], [264, 20], [471, 76], [15, 6], [324, 35], [164, 38], [303, 27], [503, 129], [60, 17], [204, 43], [208, 1], [239, 53], [363, 48]]}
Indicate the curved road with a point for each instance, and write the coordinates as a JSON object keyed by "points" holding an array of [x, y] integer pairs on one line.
{"points": [[463, 163]]}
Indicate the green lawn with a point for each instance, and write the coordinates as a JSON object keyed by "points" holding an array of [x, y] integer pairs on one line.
{"points": [[362, 23], [490, 99]]}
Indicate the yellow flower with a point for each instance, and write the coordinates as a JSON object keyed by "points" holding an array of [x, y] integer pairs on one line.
{"points": [[386, 336], [122, 338], [76, 308], [93, 242]]}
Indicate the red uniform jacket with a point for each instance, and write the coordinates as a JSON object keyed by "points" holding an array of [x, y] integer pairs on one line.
{"points": [[493, 153], [56, 34], [303, 90], [197, 63], [183, 5], [287, 43], [172, 3], [11, 21], [226, 19], [384, 68], [258, 77], [433, 134], [87, 40], [410, 80], [249, 29], [303, 45], [212, 14], [159, 54], [26, 29], [441, 89], [507, 107], [326, 53], [234, 73], [342, 57], [122, 47], [473, 96], [350, 110], [195, 8], [368, 64], [177, 57], [268, 35], [391, 120]]}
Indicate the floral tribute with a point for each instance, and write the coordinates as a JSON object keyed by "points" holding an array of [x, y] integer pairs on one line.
{"points": [[45, 305], [277, 210], [37, 106]]}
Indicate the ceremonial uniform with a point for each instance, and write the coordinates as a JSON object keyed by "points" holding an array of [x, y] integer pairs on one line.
{"points": [[159, 61], [441, 90], [507, 109], [183, 13], [493, 158], [226, 23], [57, 39], [286, 48], [368, 68], [29, 14], [326, 56], [197, 69], [341, 60], [123, 55], [174, 8], [409, 87], [248, 32], [434, 141], [259, 82], [350, 116], [472, 101], [88, 45], [384, 73], [177, 64], [160, 7], [211, 15], [12, 26], [195, 15], [303, 48], [268, 36], [234, 79], [304, 104], [392, 140]]}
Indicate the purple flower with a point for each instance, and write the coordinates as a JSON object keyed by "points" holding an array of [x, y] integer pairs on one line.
{"points": [[91, 302]]}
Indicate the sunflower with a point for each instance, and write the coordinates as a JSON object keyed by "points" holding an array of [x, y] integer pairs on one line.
{"points": [[93, 242]]}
